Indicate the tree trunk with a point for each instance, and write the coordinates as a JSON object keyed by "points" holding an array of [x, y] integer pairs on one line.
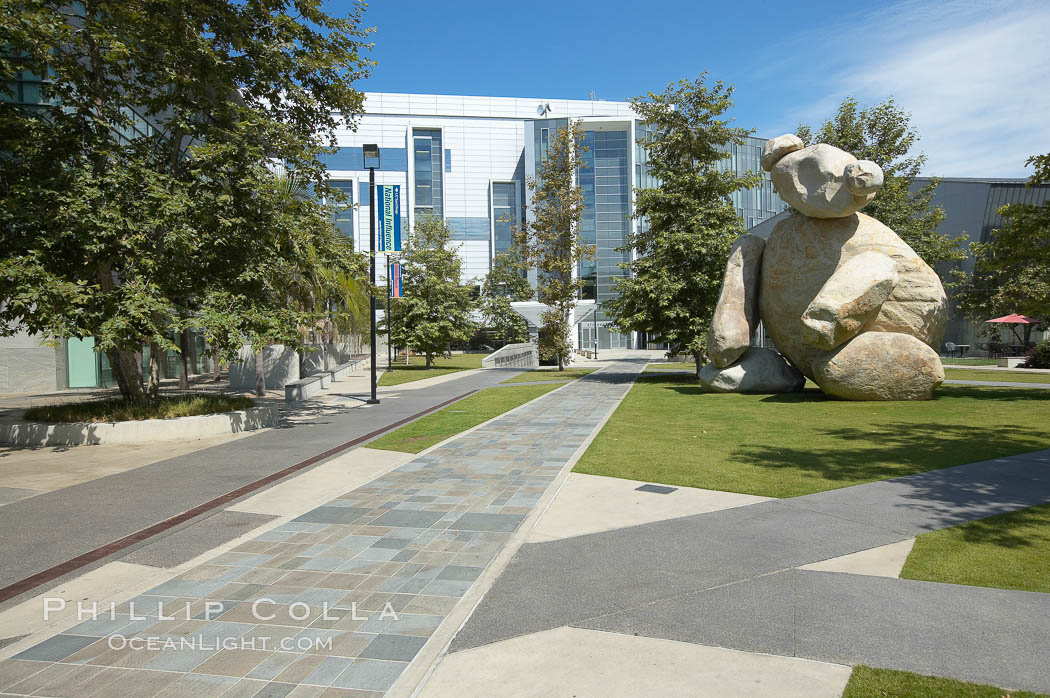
{"points": [[184, 360], [128, 372], [154, 371], [194, 359], [697, 356], [260, 372], [430, 359]]}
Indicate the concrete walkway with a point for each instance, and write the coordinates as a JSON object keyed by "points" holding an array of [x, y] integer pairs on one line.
{"points": [[54, 527], [410, 543], [731, 579]]}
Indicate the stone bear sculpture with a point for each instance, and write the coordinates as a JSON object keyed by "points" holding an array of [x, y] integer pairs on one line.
{"points": [[844, 299]]}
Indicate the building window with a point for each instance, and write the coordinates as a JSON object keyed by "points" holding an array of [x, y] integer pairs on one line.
{"points": [[506, 214], [344, 217], [426, 153], [448, 160]]}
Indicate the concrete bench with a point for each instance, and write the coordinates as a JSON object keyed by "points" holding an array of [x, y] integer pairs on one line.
{"points": [[305, 388], [344, 370]]}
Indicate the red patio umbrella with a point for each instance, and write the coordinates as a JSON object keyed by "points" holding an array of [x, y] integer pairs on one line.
{"points": [[1017, 319]]}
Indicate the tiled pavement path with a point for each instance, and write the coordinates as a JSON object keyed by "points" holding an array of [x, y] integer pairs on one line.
{"points": [[415, 539]]}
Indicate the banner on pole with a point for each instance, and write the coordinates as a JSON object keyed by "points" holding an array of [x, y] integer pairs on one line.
{"points": [[389, 214], [395, 280]]}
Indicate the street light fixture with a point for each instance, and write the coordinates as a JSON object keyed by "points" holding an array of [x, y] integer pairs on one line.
{"points": [[371, 152]]}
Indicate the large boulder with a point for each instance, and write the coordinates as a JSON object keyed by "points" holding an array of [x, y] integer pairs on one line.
{"points": [[736, 315], [880, 366], [800, 257], [759, 370], [823, 181]]}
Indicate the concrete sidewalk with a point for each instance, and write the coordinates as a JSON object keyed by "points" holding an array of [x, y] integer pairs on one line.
{"points": [[56, 526], [731, 579], [412, 542]]}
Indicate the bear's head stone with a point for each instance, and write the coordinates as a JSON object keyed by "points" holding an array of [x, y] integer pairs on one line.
{"points": [[820, 181]]}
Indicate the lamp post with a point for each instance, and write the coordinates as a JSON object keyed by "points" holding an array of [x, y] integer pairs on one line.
{"points": [[371, 152], [389, 346], [596, 323]]}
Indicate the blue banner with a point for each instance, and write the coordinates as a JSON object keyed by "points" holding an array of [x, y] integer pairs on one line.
{"points": [[389, 214], [395, 280]]}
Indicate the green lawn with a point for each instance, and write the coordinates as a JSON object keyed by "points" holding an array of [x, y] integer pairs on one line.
{"points": [[963, 374], [417, 368], [969, 362], [1008, 551], [460, 416], [866, 682], [674, 365], [547, 375], [668, 430], [119, 411]]}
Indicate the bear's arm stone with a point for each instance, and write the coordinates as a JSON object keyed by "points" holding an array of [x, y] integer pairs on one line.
{"points": [[736, 315], [849, 300]]}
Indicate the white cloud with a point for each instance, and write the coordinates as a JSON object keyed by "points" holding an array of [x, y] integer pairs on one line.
{"points": [[975, 76]]}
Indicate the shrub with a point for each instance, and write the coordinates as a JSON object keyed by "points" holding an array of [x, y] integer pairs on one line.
{"points": [[119, 411], [1038, 356]]}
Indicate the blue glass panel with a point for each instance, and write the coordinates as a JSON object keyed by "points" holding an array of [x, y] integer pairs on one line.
{"points": [[469, 228], [344, 218], [390, 159]]}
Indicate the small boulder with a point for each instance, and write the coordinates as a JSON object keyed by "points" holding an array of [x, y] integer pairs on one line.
{"points": [[759, 370], [778, 147], [880, 366]]}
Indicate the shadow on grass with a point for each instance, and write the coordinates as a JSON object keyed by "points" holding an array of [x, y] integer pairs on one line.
{"points": [[917, 441], [1009, 530], [945, 495]]}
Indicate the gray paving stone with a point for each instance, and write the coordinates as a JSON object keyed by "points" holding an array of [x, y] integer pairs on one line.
{"points": [[487, 522], [370, 675], [56, 648], [400, 648], [413, 519]]}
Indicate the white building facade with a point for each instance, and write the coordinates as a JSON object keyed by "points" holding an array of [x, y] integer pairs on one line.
{"points": [[467, 160]]}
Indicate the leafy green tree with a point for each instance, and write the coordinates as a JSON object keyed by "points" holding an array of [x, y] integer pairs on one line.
{"points": [[551, 241], [688, 222], [435, 308], [138, 192], [1012, 269], [883, 134], [506, 282]]}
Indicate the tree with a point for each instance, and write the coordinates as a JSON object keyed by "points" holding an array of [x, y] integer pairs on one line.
{"points": [[435, 308], [551, 240], [883, 134], [688, 222], [506, 282], [139, 192], [1012, 268]]}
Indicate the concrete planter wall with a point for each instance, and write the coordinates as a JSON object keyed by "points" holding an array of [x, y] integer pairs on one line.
{"points": [[513, 356], [282, 367], [137, 432]]}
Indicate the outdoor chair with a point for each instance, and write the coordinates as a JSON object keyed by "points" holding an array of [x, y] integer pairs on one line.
{"points": [[950, 348]]}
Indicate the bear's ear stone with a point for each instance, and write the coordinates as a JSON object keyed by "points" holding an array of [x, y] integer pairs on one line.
{"points": [[778, 147]]}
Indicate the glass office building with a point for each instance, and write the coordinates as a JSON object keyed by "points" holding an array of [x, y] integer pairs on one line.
{"points": [[468, 160]]}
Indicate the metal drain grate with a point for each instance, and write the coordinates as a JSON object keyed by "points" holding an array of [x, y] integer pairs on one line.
{"points": [[656, 489]]}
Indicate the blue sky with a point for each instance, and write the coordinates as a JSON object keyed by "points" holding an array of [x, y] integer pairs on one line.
{"points": [[974, 74]]}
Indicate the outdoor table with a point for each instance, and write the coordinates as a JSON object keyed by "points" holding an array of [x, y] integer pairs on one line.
{"points": [[962, 349]]}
